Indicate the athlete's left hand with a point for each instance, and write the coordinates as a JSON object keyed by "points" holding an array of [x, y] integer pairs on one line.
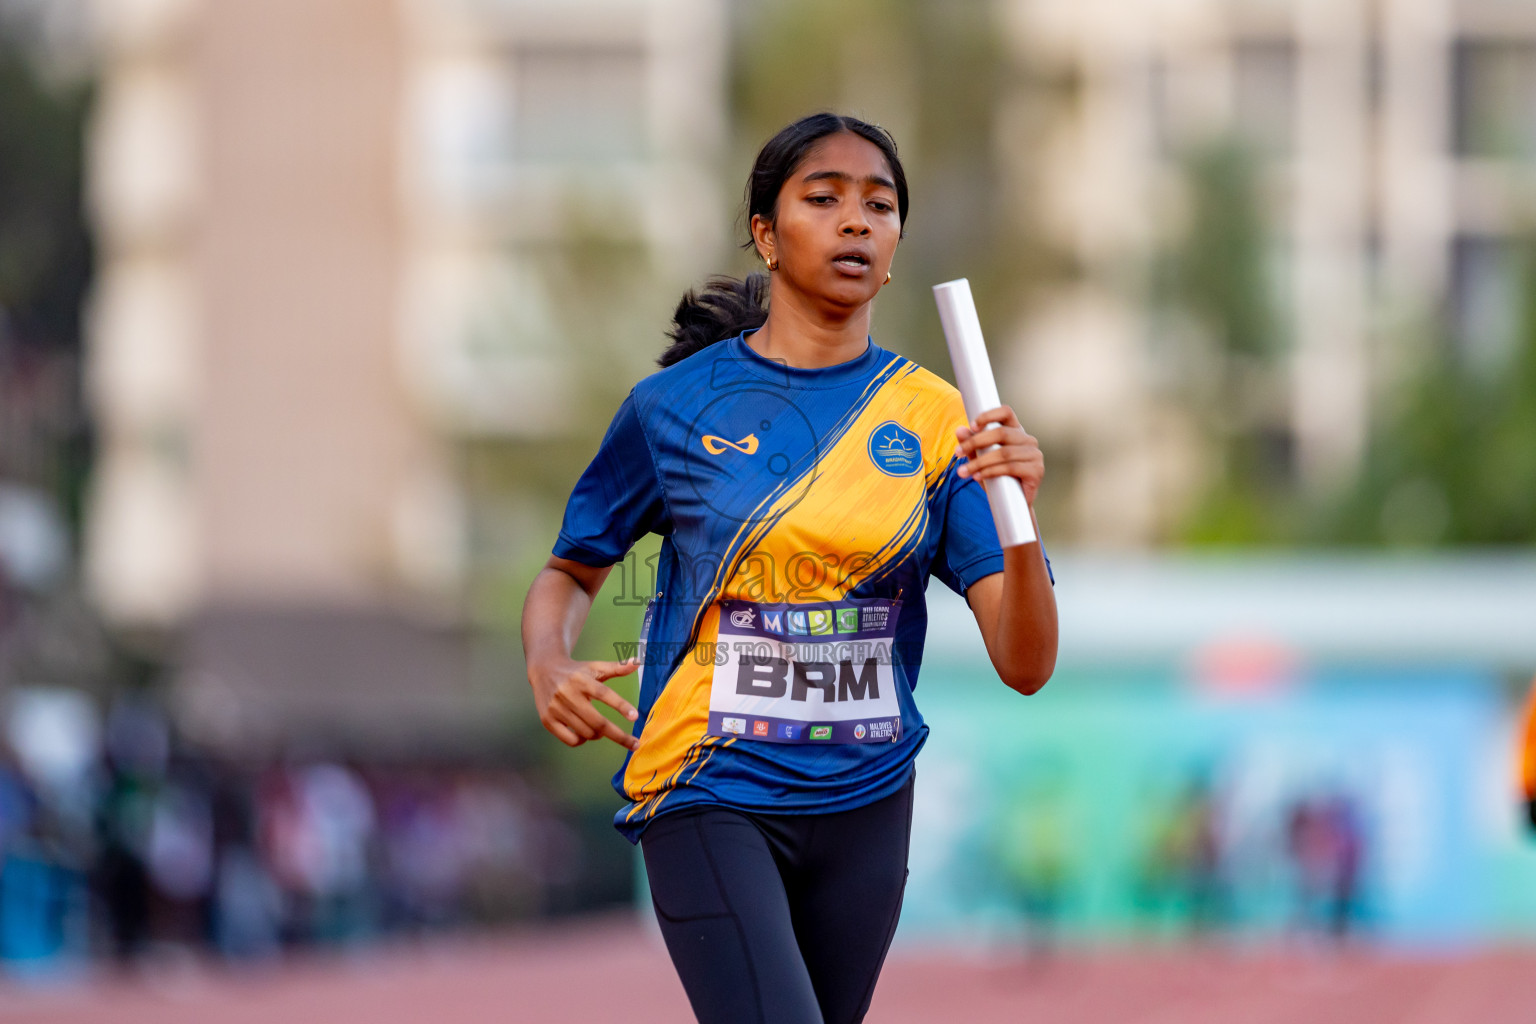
{"points": [[1017, 453]]}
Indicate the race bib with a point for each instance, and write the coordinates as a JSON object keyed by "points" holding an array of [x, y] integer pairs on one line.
{"points": [[806, 673]]}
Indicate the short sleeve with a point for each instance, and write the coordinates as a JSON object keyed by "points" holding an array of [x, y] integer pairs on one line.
{"points": [[968, 545], [618, 499]]}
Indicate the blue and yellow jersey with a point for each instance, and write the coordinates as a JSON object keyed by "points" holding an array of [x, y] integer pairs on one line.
{"points": [[802, 512]]}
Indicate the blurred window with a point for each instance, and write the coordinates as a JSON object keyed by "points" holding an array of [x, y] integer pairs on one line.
{"points": [[579, 103], [1264, 101], [465, 128], [1495, 102], [1486, 299]]}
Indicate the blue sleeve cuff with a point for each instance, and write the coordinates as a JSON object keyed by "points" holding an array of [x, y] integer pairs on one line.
{"points": [[977, 568], [990, 563], [565, 547]]}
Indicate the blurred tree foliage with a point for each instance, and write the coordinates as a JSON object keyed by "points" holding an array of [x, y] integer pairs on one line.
{"points": [[45, 268], [1221, 267], [1451, 458], [1453, 461], [45, 250], [1219, 276]]}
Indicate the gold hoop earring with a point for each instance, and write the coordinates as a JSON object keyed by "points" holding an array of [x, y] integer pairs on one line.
{"points": [[887, 277], [772, 263]]}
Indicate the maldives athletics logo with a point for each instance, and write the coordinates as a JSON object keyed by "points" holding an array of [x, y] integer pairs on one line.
{"points": [[895, 450]]}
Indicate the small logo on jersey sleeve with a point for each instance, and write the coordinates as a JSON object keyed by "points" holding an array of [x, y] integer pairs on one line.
{"points": [[895, 450]]}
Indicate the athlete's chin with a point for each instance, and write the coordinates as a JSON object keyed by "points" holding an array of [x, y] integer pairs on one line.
{"points": [[849, 293]]}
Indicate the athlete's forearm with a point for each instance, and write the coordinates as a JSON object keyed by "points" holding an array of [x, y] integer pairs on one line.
{"points": [[564, 689], [1026, 625], [1016, 610], [553, 614]]}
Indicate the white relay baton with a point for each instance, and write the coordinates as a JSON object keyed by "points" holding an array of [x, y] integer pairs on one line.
{"points": [[973, 372]]}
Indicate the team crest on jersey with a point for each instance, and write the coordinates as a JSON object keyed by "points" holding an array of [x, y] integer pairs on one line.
{"points": [[895, 449]]}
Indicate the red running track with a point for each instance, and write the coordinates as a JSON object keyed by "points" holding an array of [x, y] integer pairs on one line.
{"points": [[615, 970]]}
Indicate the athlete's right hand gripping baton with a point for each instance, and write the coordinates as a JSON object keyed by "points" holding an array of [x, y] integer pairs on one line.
{"points": [[973, 372]]}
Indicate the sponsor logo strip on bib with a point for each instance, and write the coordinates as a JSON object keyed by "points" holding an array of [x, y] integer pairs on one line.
{"points": [[806, 673]]}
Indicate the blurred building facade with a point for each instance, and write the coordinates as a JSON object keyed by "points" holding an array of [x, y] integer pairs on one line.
{"points": [[1393, 150], [325, 230]]}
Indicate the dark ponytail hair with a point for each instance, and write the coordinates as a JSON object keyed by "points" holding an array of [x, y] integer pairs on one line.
{"points": [[725, 306]]}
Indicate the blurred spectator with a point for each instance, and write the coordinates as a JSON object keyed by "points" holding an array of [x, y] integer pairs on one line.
{"points": [[1182, 871], [1033, 854], [122, 869], [423, 863], [188, 849], [336, 821], [1326, 843], [180, 853], [247, 906]]}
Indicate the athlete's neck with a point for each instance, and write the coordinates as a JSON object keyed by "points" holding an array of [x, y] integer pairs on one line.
{"points": [[800, 338]]}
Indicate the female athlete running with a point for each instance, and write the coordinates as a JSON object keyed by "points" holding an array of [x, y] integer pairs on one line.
{"points": [[806, 483]]}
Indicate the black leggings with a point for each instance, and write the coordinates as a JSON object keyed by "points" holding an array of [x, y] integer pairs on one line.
{"points": [[779, 918]]}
